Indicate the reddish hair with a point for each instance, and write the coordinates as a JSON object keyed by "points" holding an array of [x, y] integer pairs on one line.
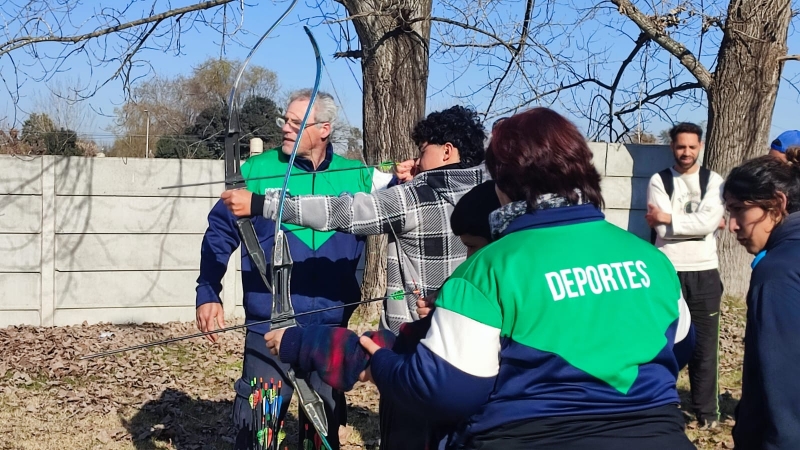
{"points": [[540, 152]]}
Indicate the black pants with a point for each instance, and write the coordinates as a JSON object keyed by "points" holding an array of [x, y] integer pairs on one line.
{"points": [[660, 428], [259, 363], [702, 291], [402, 429]]}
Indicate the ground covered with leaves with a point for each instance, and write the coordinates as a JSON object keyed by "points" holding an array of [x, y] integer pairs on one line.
{"points": [[180, 396]]}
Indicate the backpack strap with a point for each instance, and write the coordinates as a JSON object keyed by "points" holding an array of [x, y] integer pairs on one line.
{"points": [[705, 175], [666, 180]]}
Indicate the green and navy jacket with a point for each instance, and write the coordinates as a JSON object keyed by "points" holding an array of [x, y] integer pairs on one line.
{"points": [[566, 315], [325, 263]]}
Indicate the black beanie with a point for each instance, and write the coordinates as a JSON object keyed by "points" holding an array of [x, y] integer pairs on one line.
{"points": [[471, 213]]}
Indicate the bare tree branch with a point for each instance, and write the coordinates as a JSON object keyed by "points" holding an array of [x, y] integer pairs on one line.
{"points": [[655, 96], [640, 42], [24, 41], [562, 87], [646, 24], [413, 20], [515, 54]]}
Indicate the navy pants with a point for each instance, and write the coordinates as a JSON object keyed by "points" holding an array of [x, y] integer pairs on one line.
{"points": [[260, 363]]}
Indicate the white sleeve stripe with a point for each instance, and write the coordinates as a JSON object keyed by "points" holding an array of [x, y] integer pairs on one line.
{"points": [[684, 320], [470, 346]]}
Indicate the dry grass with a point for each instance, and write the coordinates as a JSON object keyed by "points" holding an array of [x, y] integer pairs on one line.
{"points": [[180, 396]]}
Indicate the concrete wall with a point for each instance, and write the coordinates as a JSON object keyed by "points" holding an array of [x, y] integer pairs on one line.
{"points": [[95, 240]]}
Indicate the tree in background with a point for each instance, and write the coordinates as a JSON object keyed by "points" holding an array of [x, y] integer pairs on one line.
{"points": [[257, 119], [175, 105], [355, 144], [182, 147], [11, 144], [34, 129], [206, 137], [40, 133], [210, 82], [62, 142], [59, 99]]}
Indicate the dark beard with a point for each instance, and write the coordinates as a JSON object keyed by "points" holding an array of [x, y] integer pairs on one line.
{"points": [[681, 164]]}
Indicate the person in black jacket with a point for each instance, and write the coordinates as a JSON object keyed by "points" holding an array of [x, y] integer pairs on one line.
{"points": [[763, 199]]}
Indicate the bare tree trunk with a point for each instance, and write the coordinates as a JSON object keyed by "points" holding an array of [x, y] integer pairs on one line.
{"points": [[740, 104], [374, 284], [394, 64]]}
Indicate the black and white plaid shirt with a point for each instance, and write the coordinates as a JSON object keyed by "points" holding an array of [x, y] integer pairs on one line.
{"points": [[422, 250]]}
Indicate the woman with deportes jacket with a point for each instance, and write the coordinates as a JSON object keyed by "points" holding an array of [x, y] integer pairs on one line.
{"points": [[559, 333], [763, 199]]}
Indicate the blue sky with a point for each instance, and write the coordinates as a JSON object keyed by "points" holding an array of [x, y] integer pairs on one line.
{"points": [[288, 53]]}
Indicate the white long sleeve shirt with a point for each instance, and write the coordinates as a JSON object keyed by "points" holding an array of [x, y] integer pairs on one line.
{"points": [[693, 218]]}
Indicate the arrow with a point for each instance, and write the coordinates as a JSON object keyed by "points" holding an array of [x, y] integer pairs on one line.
{"points": [[237, 327], [383, 165]]}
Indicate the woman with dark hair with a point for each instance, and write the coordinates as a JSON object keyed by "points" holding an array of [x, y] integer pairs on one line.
{"points": [[762, 197], [559, 335]]}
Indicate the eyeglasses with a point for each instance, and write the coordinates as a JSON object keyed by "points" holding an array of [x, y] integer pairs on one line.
{"points": [[424, 147], [293, 124]]}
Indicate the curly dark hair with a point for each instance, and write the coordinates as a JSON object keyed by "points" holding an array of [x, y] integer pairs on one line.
{"points": [[760, 179], [457, 125]]}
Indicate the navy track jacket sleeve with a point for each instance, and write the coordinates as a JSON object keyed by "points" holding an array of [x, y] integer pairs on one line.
{"points": [[334, 353], [423, 381], [219, 242], [768, 416]]}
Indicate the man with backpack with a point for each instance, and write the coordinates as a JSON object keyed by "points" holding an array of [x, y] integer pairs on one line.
{"points": [[684, 209]]}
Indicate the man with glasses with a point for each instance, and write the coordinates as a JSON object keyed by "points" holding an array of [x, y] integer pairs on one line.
{"points": [[325, 262], [422, 250]]}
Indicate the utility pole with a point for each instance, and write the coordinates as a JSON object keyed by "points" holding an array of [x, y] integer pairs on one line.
{"points": [[147, 136]]}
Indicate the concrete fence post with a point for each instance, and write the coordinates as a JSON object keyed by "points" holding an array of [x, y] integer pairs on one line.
{"points": [[47, 269]]}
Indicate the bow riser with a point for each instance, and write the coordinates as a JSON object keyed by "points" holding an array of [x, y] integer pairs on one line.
{"points": [[233, 154], [282, 263]]}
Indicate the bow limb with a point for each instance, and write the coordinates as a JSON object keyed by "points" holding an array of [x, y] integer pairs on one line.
{"points": [[231, 98], [311, 100], [233, 171], [282, 263]]}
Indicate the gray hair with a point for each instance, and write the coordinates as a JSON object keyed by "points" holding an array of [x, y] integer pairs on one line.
{"points": [[325, 109]]}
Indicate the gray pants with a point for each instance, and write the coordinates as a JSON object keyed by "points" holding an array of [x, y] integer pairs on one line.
{"points": [[260, 364]]}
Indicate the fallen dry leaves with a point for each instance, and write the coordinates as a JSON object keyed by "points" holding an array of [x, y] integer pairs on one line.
{"points": [[179, 396]]}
